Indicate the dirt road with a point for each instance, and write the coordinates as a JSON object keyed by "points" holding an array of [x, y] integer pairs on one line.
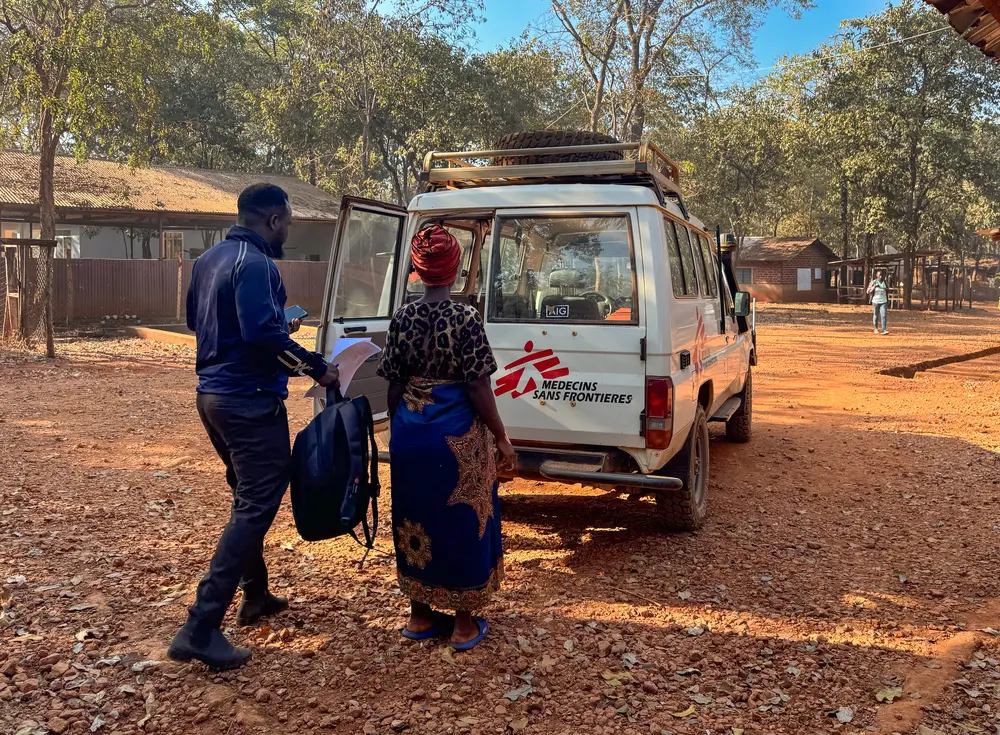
{"points": [[851, 554]]}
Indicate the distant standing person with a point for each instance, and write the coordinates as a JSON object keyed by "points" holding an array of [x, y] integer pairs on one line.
{"points": [[878, 289], [235, 306]]}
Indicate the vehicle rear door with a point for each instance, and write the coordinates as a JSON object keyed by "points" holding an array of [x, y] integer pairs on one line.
{"points": [[564, 318], [361, 287]]}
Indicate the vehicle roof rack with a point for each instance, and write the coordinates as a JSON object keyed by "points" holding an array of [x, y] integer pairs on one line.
{"points": [[642, 163]]}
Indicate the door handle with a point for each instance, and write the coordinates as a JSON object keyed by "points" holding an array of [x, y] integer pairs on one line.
{"points": [[355, 330]]}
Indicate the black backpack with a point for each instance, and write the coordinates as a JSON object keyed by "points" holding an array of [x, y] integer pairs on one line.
{"points": [[335, 472]]}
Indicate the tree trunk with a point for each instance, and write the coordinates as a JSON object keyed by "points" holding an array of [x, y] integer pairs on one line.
{"points": [[46, 171], [844, 221], [47, 214], [147, 250]]}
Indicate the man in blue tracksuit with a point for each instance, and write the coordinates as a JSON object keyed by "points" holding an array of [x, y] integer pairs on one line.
{"points": [[235, 305]]}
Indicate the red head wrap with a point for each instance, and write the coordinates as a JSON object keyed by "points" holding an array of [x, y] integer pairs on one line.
{"points": [[435, 253]]}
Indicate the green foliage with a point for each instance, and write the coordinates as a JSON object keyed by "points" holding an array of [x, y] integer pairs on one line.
{"points": [[875, 139], [886, 137]]}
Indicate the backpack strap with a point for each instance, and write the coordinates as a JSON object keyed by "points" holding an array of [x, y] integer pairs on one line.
{"points": [[374, 483], [354, 419]]}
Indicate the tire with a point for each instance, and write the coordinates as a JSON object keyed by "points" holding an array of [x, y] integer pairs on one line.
{"points": [[739, 428], [553, 138], [686, 509]]}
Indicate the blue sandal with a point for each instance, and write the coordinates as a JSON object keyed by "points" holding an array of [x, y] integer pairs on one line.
{"points": [[484, 628], [442, 627]]}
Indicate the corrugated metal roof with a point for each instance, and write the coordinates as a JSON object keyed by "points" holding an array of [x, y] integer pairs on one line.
{"points": [[105, 185], [977, 20], [776, 249]]}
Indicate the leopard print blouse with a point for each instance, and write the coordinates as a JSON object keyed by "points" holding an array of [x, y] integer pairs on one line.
{"points": [[445, 340]]}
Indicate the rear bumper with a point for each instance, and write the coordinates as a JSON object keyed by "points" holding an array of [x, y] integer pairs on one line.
{"points": [[600, 468]]}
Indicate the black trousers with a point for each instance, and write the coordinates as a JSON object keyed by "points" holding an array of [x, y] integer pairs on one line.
{"points": [[250, 433]]}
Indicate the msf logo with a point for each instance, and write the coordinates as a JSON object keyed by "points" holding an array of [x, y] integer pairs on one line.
{"points": [[544, 362], [700, 351]]}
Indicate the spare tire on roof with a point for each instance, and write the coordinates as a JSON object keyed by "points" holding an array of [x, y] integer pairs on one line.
{"points": [[553, 139]]}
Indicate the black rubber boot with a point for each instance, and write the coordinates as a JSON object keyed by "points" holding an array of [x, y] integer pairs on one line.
{"points": [[208, 646], [252, 610]]}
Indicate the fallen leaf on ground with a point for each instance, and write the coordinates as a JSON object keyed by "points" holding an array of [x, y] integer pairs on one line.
{"points": [[701, 699], [843, 715], [686, 713], [519, 693], [888, 695], [150, 709]]}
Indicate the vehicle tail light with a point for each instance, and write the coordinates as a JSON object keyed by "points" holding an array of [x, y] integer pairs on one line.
{"points": [[659, 412]]}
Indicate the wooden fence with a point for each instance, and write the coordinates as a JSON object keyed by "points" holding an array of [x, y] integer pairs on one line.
{"points": [[155, 290]]}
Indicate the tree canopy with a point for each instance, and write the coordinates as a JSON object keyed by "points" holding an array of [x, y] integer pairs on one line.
{"points": [[885, 136]]}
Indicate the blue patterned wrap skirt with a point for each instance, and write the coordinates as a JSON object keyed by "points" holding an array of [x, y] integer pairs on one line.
{"points": [[445, 509]]}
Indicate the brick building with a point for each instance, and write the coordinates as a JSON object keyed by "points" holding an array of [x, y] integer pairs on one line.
{"points": [[786, 269]]}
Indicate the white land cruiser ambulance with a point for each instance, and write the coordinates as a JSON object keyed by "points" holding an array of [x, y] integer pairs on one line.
{"points": [[615, 320]]}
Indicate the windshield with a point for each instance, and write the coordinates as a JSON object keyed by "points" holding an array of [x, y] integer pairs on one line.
{"points": [[564, 269]]}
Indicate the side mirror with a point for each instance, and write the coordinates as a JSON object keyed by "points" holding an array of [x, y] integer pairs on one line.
{"points": [[741, 302]]}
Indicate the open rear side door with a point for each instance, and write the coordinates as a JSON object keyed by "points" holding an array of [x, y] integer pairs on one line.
{"points": [[361, 287]]}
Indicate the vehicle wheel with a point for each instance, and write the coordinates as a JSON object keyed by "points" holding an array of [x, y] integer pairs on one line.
{"points": [[740, 426], [686, 509], [551, 139]]}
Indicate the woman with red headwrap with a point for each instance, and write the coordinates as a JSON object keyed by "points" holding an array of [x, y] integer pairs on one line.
{"points": [[445, 435]]}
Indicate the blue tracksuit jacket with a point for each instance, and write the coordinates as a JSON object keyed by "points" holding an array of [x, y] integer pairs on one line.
{"points": [[235, 306]]}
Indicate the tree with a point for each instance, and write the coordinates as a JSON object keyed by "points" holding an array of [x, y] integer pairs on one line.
{"points": [[622, 45], [71, 66], [905, 112]]}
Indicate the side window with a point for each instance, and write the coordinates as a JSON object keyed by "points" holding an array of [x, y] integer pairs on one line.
{"points": [[744, 276], [699, 262], [727, 294], [711, 267], [687, 259], [676, 268]]}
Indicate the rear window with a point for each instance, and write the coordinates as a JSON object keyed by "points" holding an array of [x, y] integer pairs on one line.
{"points": [[466, 239], [564, 269]]}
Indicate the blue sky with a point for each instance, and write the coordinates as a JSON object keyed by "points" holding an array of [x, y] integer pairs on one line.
{"points": [[781, 35]]}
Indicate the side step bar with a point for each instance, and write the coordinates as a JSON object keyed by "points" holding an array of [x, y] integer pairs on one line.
{"points": [[572, 472], [728, 409]]}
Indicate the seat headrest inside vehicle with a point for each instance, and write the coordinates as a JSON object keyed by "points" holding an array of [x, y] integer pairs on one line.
{"points": [[565, 279]]}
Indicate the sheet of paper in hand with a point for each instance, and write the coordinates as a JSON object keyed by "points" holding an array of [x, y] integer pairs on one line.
{"points": [[348, 354]]}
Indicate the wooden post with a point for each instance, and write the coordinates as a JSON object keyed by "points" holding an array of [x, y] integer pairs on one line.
{"points": [[50, 345], [180, 280], [22, 280], [947, 285], [937, 288], [69, 285], [162, 252]]}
